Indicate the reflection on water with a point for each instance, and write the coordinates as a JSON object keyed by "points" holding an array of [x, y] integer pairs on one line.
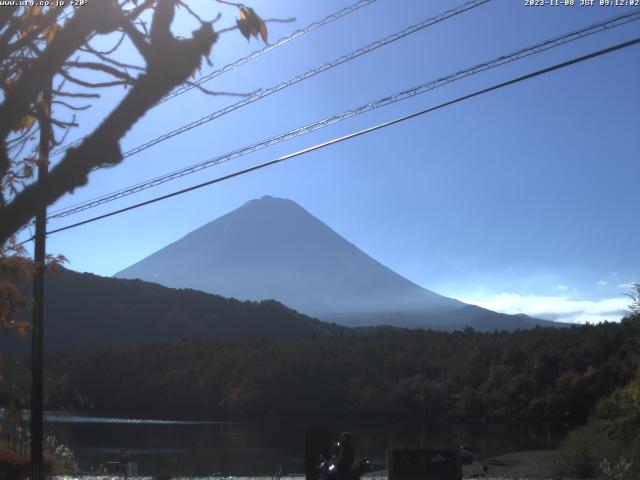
{"points": [[59, 418], [288, 477], [221, 449], [111, 477]]}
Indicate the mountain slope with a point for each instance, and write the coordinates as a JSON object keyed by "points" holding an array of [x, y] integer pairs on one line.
{"points": [[479, 318], [85, 310], [273, 248]]}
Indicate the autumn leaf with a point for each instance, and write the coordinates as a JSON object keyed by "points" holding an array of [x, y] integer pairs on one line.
{"points": [[250, 24], [262, 28], [25, 123], [9, 82], [27, 171], [54, 264], [51, 31], [243, 23], [29, 19], [197, 69], [23, 329]]}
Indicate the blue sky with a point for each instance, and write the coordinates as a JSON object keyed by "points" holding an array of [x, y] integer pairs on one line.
{"points": [[522, 200]]}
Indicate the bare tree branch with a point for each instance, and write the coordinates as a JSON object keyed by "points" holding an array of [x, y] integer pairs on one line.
{"points": [[161, 25], [105, 58], [114, 72], [233, 4], [42, 22], [86, 84], [173, 62], [89, 48], [138, 40], [60, 123], [191, 12], [95, 16], [69, 106], [214, 93], [76, 95]]}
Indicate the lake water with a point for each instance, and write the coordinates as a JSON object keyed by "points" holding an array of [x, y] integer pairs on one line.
{"points": [[220, 449]]}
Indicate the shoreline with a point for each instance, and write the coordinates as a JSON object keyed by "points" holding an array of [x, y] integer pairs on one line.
{"points": [[527, 464], [523, 465]]}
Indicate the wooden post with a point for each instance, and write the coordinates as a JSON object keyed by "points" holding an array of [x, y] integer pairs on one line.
{"points": [[37, 333]]}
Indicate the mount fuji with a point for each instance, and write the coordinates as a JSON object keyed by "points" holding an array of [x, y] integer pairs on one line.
{"points": [[272, 248]]}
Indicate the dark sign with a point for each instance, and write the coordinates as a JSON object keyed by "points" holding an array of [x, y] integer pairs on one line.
{"points": [[424, 464]]}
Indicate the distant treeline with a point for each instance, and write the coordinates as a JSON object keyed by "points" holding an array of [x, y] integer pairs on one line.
{"points": [[543, 373]]}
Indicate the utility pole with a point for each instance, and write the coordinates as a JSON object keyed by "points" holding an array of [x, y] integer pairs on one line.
{"points": [[37, 332]]}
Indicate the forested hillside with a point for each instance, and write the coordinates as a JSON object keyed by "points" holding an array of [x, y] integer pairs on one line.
{"points": [[85, 311], [543, 373]]}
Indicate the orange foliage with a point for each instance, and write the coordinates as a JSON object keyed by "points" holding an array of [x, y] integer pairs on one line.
{"points": [[16, 274]]}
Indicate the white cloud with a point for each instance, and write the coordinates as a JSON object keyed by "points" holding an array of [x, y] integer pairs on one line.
{"points": [[602, 282], [561, 287], [559, 308], [625, 285]]}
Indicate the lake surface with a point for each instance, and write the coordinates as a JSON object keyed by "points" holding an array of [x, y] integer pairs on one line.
{"points": [[220, 449]]}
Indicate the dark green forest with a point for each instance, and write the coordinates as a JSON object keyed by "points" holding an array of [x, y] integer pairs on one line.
{"points": [[114, 312], [583, 375], [542, 373]]}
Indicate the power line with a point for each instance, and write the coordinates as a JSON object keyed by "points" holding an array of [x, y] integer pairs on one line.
{"points": [[295, 34], [356, 134], [246, 59], [304, 76], [402, 95], [308, 74]]}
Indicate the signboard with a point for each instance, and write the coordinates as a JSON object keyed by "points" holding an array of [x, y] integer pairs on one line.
{"points": [[424, 464]]}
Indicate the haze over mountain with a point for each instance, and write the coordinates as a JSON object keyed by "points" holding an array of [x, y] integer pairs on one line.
{"points": [[272, 248]]}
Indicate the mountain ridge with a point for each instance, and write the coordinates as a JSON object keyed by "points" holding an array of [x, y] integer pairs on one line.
{"points": [[86, 310], [273, 248], [289, 263]]}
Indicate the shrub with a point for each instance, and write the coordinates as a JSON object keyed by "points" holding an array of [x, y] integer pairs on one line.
{"points": [[17, 465], [582, 452]]}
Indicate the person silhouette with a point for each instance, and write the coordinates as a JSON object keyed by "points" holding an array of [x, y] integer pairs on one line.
{"points": [[345, 457], [124, 462]]}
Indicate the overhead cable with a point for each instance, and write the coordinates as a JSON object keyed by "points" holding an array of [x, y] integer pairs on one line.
{"points": [[390, 99], [278, 43], [260, 94], [350, 136], [246, 59]]}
